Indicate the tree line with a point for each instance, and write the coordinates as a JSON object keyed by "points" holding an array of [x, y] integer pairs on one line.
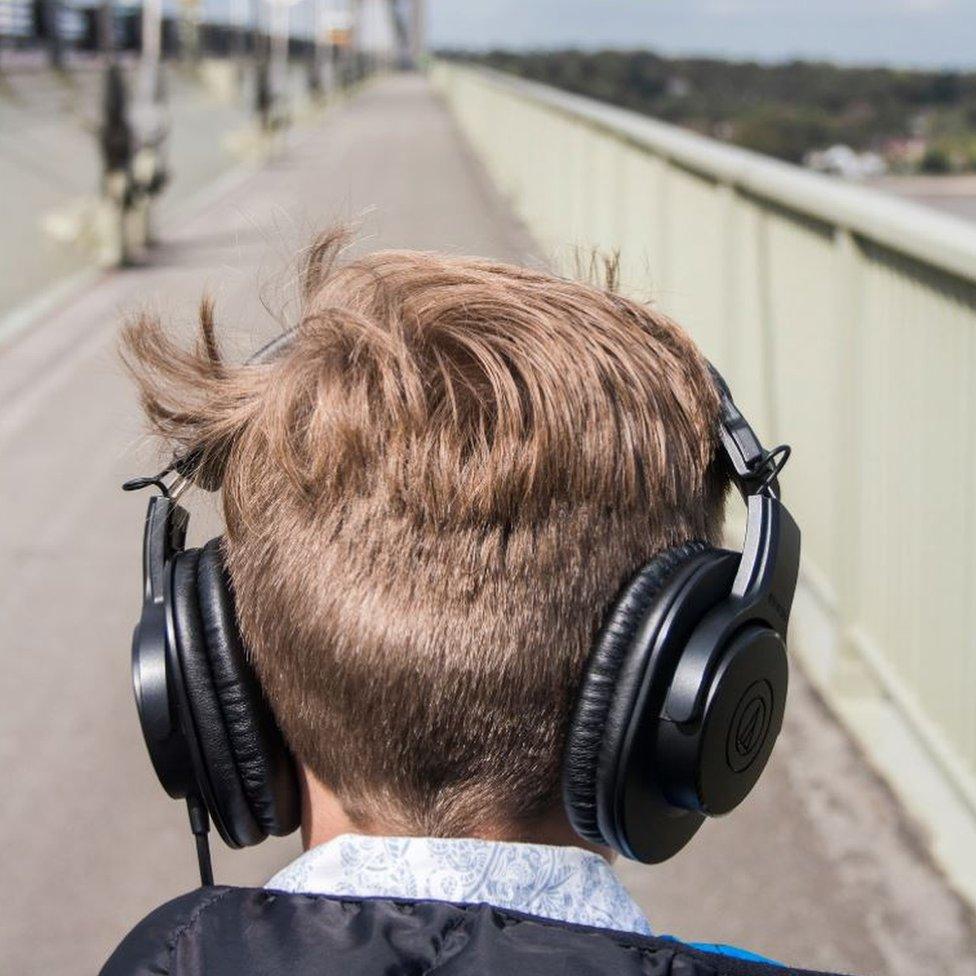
{"points": [[915, 119]]}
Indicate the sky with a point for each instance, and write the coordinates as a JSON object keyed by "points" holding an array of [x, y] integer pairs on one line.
{"points": [[930, 33]]}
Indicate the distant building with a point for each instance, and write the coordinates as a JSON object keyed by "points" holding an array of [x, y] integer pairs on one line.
{"points": [[905, 153], [841, 160], [678, 87]]}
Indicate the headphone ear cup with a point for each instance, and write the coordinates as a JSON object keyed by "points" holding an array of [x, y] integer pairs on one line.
{"points": [[243, 765], [711, 764], [589, 726]]}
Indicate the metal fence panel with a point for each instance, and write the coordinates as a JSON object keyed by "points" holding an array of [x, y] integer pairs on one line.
{"points": [[846, 321]]}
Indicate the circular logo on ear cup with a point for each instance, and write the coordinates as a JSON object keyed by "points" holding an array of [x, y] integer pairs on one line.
{"points": [[749, 725]]}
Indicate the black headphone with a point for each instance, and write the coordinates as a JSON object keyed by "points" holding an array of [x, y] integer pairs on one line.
{"points": [[679, 707], [684, 692]]}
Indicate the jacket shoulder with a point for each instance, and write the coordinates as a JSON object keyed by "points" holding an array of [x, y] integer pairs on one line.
{"points": [[223, 931], [151, 946]]}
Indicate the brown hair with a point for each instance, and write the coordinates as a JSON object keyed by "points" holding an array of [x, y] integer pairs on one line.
{"points": [[431, 497]]}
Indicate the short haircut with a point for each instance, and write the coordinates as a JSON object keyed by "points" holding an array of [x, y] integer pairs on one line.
{"points": [[431, 498]]}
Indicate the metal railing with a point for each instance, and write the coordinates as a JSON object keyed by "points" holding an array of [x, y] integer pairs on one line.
{"points": [[25, 25], [845, 321]]}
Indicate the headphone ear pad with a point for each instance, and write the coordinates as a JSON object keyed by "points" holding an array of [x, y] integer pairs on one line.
{"points": [[242, 759], [599, 684]]}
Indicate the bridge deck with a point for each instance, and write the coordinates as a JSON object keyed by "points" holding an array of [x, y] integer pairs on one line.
{"points": [[817, 869]]}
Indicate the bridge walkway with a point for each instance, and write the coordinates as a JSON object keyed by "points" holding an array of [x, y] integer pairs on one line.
{"points": [[818, 868]]}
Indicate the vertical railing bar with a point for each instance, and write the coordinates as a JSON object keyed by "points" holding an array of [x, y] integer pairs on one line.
{"points": [[663, 260], [767, 327], [966, 301], [730, 267], [848, 276]]}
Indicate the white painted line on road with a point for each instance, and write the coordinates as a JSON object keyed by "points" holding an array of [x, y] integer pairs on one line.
{"points": [[17, 414], [24, 316], [35, 310]]}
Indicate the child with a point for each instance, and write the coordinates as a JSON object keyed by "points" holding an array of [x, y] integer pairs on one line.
{"points": [[434, 490]]}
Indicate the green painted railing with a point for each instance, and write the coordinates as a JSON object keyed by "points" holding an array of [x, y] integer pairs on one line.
{"points": [[846, 322]]}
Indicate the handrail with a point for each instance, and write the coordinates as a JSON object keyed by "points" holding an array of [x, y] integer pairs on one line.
{"points": [[846, 321], [940, 240]]}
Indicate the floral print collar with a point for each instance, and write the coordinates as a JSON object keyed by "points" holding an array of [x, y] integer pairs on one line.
{"points": [[563, 883]]}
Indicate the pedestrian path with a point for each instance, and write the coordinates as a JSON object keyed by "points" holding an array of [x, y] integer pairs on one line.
{"points": [[818, 868], [50, 166]]}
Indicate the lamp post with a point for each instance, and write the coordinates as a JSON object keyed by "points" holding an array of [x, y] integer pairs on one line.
{"points": [[280, 35], [189, 31], [239, 17], [50, 25], [315, 85], [418, 31], [334, 29], [152, 32], [106, 30], [115, 144], [409, 26], [149, 169]]}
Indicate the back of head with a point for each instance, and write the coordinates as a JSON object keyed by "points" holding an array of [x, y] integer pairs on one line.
{"points": [[431, 498]]}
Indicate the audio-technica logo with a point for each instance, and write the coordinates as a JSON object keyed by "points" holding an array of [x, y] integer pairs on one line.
{"points": [[749, 725], [748, 733]]}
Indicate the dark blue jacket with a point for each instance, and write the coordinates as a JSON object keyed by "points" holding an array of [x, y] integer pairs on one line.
{"points": [[223, 931]]}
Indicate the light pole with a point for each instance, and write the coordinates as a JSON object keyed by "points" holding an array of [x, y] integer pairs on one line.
{"points": [[106, 30], [280, 13], [240, 11], [149, 170], [418, 31], [152, 33], [189, 31], [409, 27], [50, 24], [334, 29], [315, 85], [115, 140], [401, 29]]}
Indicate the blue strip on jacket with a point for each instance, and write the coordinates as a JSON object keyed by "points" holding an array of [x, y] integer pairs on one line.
{"points": [[717, 948]]}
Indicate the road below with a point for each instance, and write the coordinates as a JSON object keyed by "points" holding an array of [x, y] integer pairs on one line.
{"points": [[954, 195], [818, 868]]}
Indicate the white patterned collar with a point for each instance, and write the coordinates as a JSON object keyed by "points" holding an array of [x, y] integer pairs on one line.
{"points": [[563, 883]]}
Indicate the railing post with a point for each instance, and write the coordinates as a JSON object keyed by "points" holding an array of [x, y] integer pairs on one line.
{"points": [[730, 273], [772, 428], [662, 239], [849, 677]]}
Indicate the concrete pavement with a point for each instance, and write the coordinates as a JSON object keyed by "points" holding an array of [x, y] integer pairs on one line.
{"points": [[819, 868], [954, 194], [50, 165]]}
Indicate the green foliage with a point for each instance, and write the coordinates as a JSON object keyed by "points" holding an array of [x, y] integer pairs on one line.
{"points": [[784, 110], [936, 160]]}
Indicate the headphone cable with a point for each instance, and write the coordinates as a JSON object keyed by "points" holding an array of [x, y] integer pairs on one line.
{"points": [[200, 825]]}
